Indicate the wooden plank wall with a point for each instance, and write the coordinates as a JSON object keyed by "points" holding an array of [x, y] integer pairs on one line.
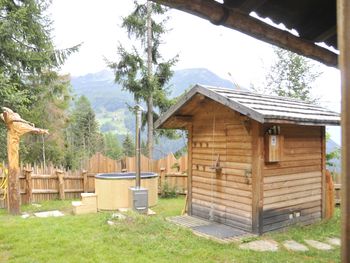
{"points": [[225, 197], [293, 185]]}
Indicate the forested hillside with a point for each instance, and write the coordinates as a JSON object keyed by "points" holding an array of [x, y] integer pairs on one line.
{"points": [[110, 101]]}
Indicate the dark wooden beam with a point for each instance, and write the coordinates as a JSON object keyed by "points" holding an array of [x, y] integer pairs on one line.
{"points": [[343, 21], [220, 15], [183, 118]]}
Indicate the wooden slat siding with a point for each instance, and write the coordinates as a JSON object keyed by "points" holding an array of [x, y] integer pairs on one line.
{"points": [[227, 189], [257, 177], [295, 183], [222, 217], [229, 193], [223, 182], [303, 220], [287, 210], [231, 210]]}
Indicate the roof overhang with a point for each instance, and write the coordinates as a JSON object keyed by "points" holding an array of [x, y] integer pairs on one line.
{"points": [[314, 25]]}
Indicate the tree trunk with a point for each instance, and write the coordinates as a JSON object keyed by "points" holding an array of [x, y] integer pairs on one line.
{"points": [[149, 69]]}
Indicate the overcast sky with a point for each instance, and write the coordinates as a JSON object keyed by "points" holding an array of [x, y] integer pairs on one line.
{"points": [[96, 24]]}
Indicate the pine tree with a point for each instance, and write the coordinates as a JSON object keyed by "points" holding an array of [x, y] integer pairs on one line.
{"points": [[83, 136], [27, 52], [112, 146], [128, 146], [142, 72], [144, 148], [49, 110]]}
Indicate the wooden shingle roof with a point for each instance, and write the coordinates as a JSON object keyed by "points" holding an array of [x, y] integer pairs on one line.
{"points": [[259, 107]]}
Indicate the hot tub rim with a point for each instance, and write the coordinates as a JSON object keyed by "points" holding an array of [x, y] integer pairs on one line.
{"points": [[121, 176]]}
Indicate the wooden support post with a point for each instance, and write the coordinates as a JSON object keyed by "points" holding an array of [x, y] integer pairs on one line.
{"points": [[343, 32], [85, 181], [257, 177], [162, 178], [189, 170], [330, 204], [29, 184], [60, 178], [323, 171]]}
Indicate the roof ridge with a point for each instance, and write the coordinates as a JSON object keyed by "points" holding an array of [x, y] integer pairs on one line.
{"points": [[257, 93]]}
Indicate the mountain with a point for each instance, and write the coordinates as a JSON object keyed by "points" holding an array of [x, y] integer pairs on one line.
{"points": [[110, 101], [101, 90], [330, 147], [103, 93], [184, 79]]}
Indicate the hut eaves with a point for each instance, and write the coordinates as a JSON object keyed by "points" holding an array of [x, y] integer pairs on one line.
{"points": [[259, 107]]}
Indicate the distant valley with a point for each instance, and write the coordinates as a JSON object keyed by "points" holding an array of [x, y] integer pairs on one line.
{"points": [[110, 102]]}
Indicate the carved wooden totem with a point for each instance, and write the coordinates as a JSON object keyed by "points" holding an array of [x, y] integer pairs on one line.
{"points": [[16, 127]]}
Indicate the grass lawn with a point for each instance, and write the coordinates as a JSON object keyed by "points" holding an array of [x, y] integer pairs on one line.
{"points": [[88, 238]]}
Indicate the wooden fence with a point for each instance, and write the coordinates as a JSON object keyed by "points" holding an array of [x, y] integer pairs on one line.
{"points": [[38, 183], [170, 170], [102, 164]]}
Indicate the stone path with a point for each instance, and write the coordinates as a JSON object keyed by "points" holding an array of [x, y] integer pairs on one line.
{"points": [[54, 213], [292, 245], [318, 245], [334, 241], [260, 245]]}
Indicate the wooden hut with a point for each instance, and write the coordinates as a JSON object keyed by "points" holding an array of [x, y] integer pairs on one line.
{"points": [[256, 162]]}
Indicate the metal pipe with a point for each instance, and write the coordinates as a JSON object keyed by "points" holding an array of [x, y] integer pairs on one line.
{"points": [[138, 112]]}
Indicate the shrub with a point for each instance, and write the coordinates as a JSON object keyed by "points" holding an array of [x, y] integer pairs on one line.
{"points": [[167, 191]]}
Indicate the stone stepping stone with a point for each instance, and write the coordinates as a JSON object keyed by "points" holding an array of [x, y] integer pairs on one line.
{"points": [[25, 215], [333, 241], [54, 213], [261, 245], [318, 245], [294, 246]]}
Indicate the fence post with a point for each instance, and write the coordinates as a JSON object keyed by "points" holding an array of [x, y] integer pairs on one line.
{"points": [[85, 181], [162, 178], [60, 175], [29, 184]]}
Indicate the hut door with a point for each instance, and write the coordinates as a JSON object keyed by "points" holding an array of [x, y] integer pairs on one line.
{"points": [[236, 173], [218, 184]]}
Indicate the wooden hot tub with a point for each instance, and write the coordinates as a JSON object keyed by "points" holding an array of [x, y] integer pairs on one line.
{"points": [[112, 189]]}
